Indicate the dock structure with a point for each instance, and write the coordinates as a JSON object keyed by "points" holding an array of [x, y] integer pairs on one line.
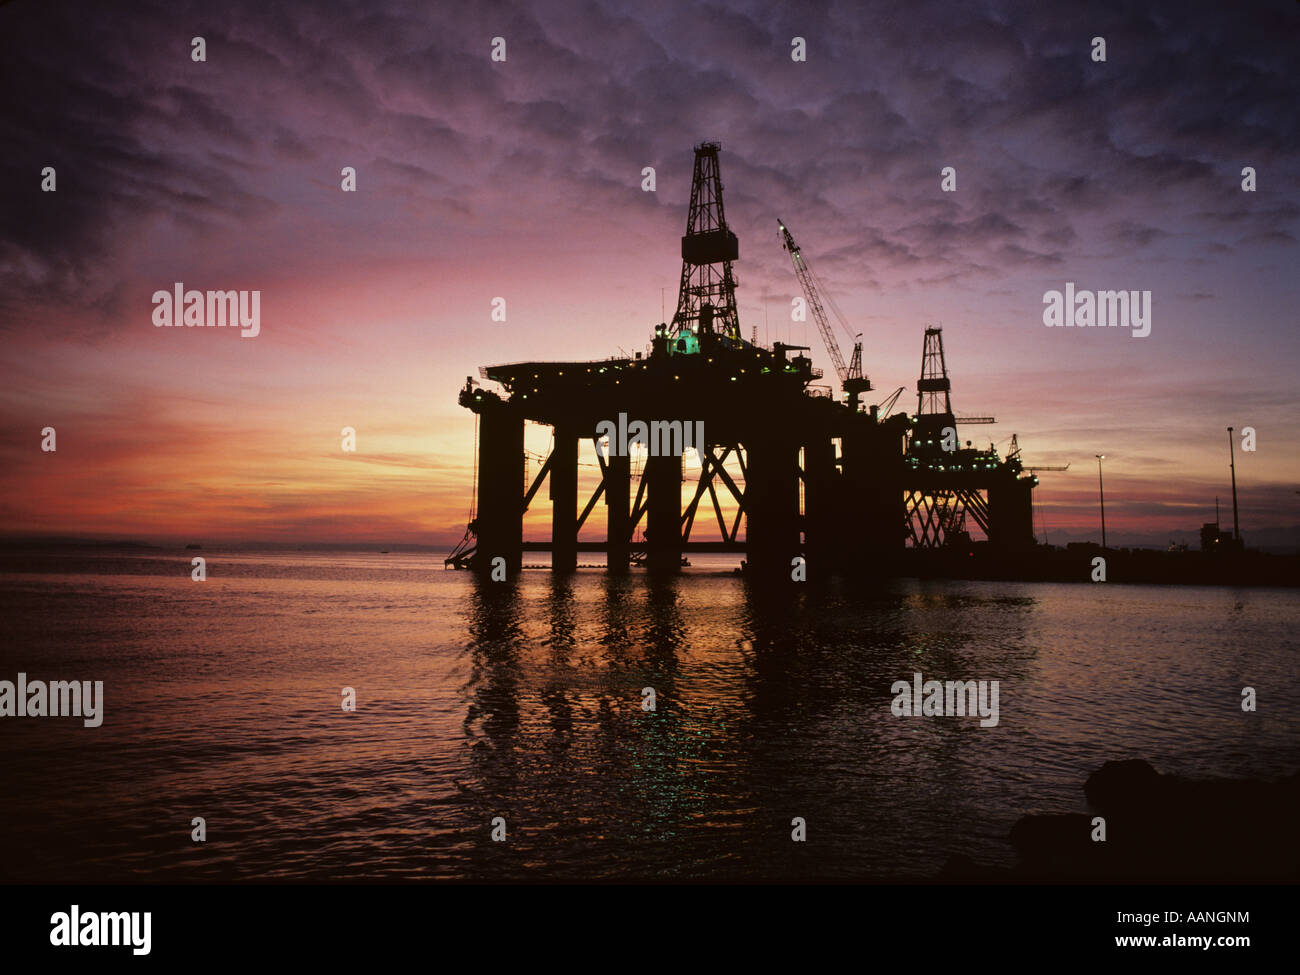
{"points": [[820, 486]]}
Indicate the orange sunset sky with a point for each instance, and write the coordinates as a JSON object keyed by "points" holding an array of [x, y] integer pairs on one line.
{"points": [[522, 179]]}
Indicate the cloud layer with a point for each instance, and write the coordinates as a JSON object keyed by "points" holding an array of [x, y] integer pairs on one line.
{"points": [[478, 178]]}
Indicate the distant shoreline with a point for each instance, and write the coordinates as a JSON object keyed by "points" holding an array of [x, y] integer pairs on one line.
{"points": [[1040, 565]]}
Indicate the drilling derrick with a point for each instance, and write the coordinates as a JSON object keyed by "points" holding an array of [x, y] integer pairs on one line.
{"points": [[937, 512], [947, 481], [706, 301], [933, 389]]}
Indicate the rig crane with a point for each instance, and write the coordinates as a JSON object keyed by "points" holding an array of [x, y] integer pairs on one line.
{"points": [[853, 382], [887, 406], [1014, 454]]}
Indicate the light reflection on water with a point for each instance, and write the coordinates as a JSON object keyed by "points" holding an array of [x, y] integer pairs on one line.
{"points": [[483, 700]]}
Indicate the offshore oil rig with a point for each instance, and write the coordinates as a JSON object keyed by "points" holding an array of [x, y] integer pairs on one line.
{"points": [[821, 485]]}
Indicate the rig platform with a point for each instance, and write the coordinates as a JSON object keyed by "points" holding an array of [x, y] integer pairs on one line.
{"points": [[821, 485]]}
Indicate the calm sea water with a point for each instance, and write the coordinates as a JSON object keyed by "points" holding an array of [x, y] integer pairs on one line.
{"points": [[477, 701]]}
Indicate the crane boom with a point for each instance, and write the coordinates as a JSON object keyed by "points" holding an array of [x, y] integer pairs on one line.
{"points": [[851, 378], [888, 405], [814, 301]]}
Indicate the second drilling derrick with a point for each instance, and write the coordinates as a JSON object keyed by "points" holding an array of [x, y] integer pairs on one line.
{"points": [[946, 481]]}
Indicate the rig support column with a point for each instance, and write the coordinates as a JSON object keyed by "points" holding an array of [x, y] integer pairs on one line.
{"points": [[499, 523], [875, 512], [618, 494], [821, 505], [1011, 520], [663, 532], [564, 499], [772, 503], [889, 495]]}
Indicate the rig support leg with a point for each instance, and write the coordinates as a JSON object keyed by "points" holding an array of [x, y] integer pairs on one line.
{"points": [[772, 503], [821, 504], [564, 499], [500, 518], [618, 494], [664, 515]]}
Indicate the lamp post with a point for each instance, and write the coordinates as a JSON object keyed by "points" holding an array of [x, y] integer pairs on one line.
{"points": [[1102, 492], [1232, 466]]}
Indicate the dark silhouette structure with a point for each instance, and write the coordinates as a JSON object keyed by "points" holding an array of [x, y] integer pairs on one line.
{"points": [[822, 486], [1232, 466], [1160, 828], [946, 481]]}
